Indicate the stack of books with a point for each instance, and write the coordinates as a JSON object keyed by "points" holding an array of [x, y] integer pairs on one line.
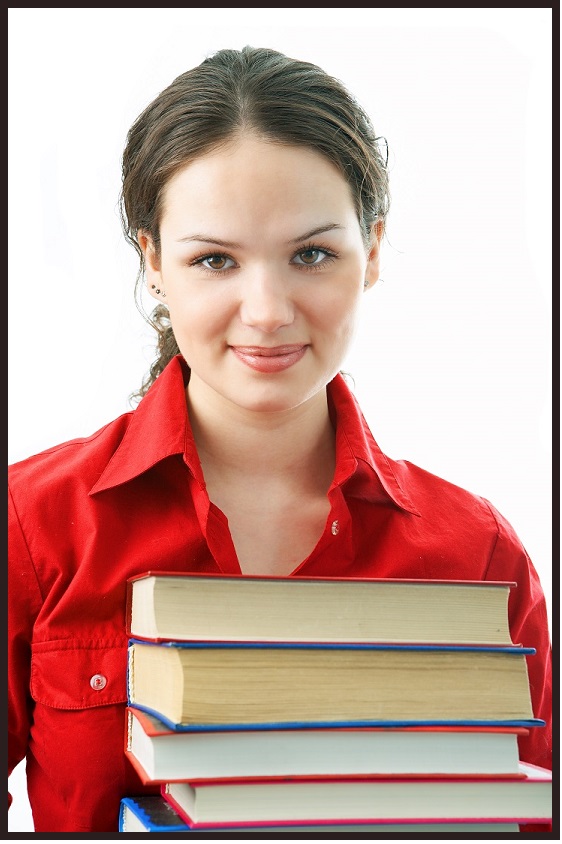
{"points": [[263, 703]]}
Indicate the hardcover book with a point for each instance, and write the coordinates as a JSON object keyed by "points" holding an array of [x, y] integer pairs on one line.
{"points": [[175, 607], [160, 754], [152, 813], [527, 799], [210, 683]]}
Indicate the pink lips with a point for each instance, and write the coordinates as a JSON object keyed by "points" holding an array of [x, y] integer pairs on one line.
{"points": [[264, 359]]}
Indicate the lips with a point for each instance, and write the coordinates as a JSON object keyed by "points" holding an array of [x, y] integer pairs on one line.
{"points": [[274, 359]]}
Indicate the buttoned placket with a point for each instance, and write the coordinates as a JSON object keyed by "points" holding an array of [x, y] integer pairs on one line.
{"points": [[334, 550], [335, 543]]}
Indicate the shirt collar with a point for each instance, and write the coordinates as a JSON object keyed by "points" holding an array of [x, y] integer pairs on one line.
{"points": [[360, 464], [159, 428]]}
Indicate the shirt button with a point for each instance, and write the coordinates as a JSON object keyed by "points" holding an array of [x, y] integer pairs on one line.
{"points": [[98, 682], [335, 527]]}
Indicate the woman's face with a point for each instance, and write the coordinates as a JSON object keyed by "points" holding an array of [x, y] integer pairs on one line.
{"points": [[263, 266]]}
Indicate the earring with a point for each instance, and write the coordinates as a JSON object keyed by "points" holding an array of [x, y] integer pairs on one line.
{"points": [[158, 291], [366, 284]]}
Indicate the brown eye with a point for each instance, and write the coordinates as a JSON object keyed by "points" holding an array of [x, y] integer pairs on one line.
{"points": [[314, 257], [216, 262], [310, 256]]}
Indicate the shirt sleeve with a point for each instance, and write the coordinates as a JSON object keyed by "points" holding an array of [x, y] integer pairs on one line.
{"points": [[529, 627], [24, 602]]}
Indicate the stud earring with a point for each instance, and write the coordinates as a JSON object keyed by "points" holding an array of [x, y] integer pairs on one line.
{"points": [[366, 284], [158, 291]]}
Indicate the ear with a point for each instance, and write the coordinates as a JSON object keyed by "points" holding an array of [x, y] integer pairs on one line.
{"points": [[372, 271], [153, 274]]}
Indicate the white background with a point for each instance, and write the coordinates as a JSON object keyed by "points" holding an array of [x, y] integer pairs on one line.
{"points": [[452, 360]]}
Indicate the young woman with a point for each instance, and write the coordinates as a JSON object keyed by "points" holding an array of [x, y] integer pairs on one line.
{"points": [[255, 194]]}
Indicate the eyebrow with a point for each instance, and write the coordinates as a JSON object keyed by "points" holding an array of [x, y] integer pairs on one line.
{"points": [[228, 244], [327, 227], [203, 238]]}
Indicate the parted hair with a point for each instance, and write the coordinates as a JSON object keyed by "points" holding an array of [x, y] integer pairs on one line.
{"points": [[284, 100]]}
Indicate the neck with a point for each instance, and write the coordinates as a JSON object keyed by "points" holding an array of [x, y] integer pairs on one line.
{"points": [[297, 443]]}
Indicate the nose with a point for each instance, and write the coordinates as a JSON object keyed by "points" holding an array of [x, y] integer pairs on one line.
{"points": [[266, 302]]}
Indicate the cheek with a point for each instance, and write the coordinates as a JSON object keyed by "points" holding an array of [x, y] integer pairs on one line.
{"points": [[337, 312], [195, 318]]}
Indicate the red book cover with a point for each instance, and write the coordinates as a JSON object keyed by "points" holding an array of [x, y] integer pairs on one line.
{"points": [[485, 585], [370, 751], [220, 576], [525, 801], [285, 747]]}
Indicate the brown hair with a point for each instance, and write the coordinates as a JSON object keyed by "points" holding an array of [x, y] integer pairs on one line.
{"points": [[285, 100]]}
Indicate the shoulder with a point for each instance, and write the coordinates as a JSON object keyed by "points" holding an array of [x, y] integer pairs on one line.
{"points": [[464, 517], [438, 497], [78, 462]]}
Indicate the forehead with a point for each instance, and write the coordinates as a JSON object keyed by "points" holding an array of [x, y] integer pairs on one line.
{"points": [[269, 177]]}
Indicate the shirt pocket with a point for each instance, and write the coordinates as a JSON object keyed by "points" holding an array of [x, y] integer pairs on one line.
{"points": [[69, 675]]}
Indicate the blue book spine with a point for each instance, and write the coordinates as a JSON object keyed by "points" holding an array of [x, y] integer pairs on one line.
{"points": [[301, 725], [153, 813], [339, 646], [515, 650]]}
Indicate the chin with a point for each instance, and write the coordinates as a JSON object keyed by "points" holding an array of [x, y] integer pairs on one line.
{"points": [[268, 405], [272, 399]]}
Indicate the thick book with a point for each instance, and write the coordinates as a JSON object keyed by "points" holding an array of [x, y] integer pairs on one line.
{"points": [[160, 754], [175, 607], [210, 683], [527, 799], [152, 813]]}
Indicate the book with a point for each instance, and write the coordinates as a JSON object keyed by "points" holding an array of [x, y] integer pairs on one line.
{"points": [[149, 813], [288, 703], [209, 683], [160, 754], [175, 607], [152, 813], [527, 799]]}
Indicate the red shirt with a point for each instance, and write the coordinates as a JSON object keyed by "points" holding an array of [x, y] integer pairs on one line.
{"points": [[89, 513]]}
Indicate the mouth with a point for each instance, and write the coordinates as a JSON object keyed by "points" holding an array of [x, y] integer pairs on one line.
{"points": [[270, 359]]}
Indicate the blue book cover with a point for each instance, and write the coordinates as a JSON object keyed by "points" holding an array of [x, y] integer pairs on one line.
{"points": [[150, 813], [334, 646], [349, 724], [292, 723]]}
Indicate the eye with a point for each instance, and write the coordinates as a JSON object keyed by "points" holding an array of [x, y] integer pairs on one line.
{"points": [[309, 256], [313, 256], [216, 261]]}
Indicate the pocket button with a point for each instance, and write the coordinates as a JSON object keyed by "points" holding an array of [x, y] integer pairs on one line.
{"points": [[98, 682]]}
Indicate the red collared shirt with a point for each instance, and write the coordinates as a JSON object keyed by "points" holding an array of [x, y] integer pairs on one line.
{"points": [[88, 514]]}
